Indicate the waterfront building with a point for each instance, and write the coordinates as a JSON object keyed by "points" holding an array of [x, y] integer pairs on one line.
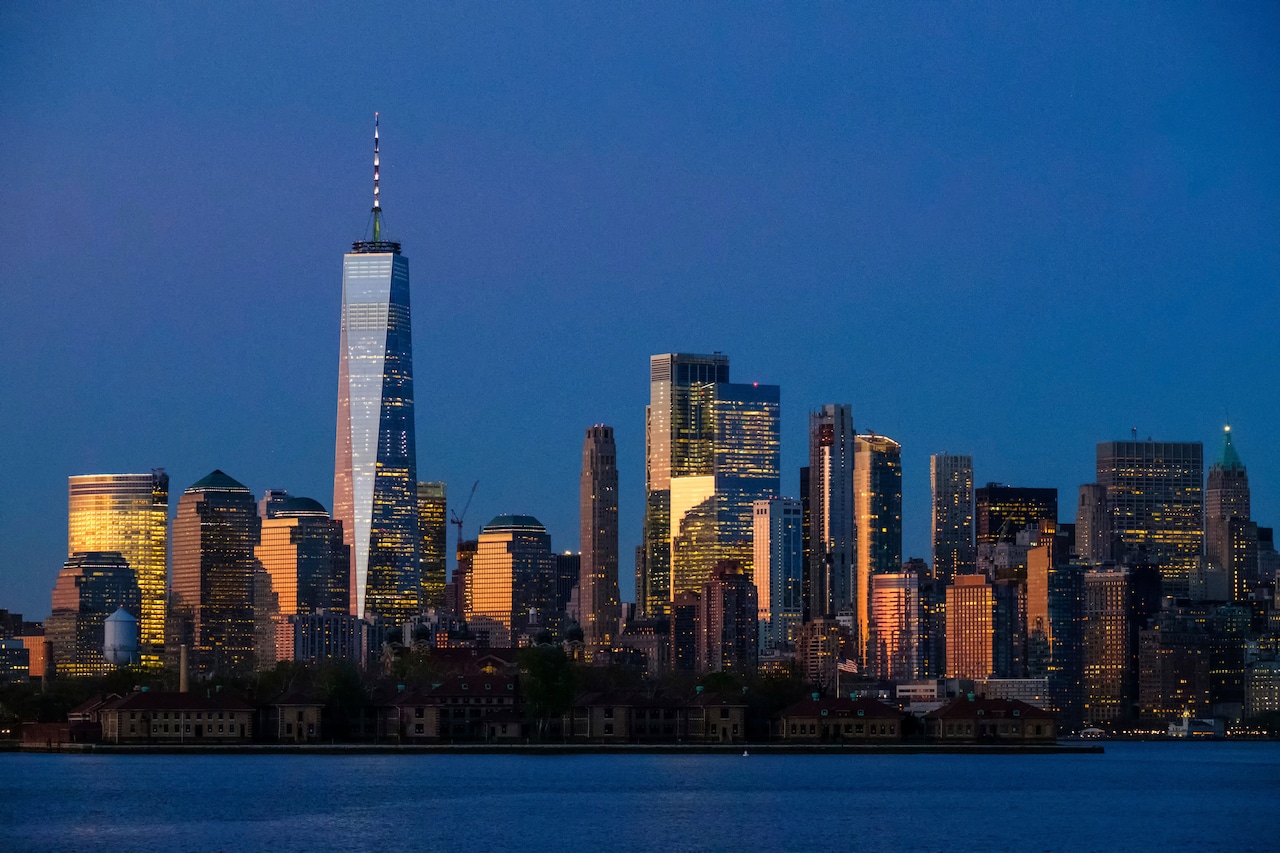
{"points": [[970, 628], [727, 622], [128, 514], [1174, 662], [1262, 689], [877, 479], [1155, 502], [1003, 511], [148, 717], [433, 549], [598, 601], [1093, 526], [212, 592], [1118, 601], [511, 586], [375, 468], [711, 450], [952, 517], [90, 587], [779, 571], [308, 566], [832, 550]]}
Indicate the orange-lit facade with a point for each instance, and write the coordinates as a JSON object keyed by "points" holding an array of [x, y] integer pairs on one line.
{"points": [[511, 586], [129, 514], [970, 628]]}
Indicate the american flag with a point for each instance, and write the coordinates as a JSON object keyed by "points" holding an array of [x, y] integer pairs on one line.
{"points": [[846, 665]]}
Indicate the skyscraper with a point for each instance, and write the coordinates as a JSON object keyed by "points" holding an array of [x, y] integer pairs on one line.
{"points": [[1093, 528], [512, 583], [678, 435], [1003, 511], [727, 627], [897, 626], [832, 515], [375, 468], [302, 551], [1118, 600], [598, 582], [970, 628], [1227, 521], [1155, 501], [433, 530], [952, 520], [779, 570], [129, 514], [91, 586], [212, 601], [712, 450], [877, 490]]}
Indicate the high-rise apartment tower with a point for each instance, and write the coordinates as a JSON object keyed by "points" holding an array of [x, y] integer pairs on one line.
{"points": [[599, 609]]}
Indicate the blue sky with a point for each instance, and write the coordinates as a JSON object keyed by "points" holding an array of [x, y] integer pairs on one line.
{"points": [[1012, 230]]}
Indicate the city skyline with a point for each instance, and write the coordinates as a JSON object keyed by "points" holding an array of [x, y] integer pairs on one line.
{"points": [[228, 359]]}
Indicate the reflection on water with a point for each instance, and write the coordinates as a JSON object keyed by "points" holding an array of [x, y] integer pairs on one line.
{"points": [[1153, 796]]}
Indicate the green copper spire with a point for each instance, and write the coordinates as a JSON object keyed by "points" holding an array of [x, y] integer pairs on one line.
{"points": [[377, 205], [1229, 459]]}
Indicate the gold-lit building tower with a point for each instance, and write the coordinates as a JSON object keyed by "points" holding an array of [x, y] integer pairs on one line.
{"points": [[433, 527], [301, 550], [129, 514], [877, 500], [511, 585], [970, 628]]}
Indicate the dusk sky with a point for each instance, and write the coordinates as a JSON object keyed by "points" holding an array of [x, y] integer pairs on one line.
{"points": [[1011, 230]]}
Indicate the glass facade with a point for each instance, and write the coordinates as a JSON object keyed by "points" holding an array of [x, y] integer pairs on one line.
{"points": [[129, 514], [953, 543], [779, 570], [712, 505], [511, 585], [303, 552], [1003, 511], [433, 527], [1155, 501], [832, 521], [375, 471], [90, 587], [212, 605], [877, 497]]}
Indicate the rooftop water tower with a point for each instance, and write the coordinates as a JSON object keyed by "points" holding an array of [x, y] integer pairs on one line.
{"points": [[120, 638]]}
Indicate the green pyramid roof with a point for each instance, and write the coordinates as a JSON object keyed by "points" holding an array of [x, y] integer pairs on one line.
{"points": [[1229, 459], [216, 481]]}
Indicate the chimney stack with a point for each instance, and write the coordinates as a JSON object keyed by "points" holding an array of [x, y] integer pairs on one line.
{"points": [[182, 668]]}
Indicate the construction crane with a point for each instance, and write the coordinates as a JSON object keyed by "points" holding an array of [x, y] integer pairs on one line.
{"points": [[457, 519]]}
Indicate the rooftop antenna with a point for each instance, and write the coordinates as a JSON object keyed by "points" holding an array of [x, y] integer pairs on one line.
{"points": [[377, 205]]}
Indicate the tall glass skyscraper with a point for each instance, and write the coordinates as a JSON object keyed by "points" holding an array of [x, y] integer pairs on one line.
{"points": [[598, 578], [375, 476], [952, 521], [877, 497], [832, 518], [129, 514]]}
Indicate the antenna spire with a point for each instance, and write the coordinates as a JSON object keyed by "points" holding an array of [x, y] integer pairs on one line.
{"points": [[377, 204]]}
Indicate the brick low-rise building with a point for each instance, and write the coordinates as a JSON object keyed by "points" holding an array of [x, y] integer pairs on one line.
{"points": [[972, 720], [836, 720]]}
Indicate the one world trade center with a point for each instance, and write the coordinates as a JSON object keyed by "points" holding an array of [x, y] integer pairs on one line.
{"points": [[375, 462]]}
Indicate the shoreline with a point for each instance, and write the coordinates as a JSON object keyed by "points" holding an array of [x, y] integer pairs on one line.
{"points": [[565, 749]]}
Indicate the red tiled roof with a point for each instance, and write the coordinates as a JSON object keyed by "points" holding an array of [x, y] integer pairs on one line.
{"points": [[835, 706], [160, 701], [967, 709]]}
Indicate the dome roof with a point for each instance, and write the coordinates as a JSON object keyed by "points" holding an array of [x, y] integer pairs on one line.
{"points": [[522, 522], [300, 507], [217, 481]]}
